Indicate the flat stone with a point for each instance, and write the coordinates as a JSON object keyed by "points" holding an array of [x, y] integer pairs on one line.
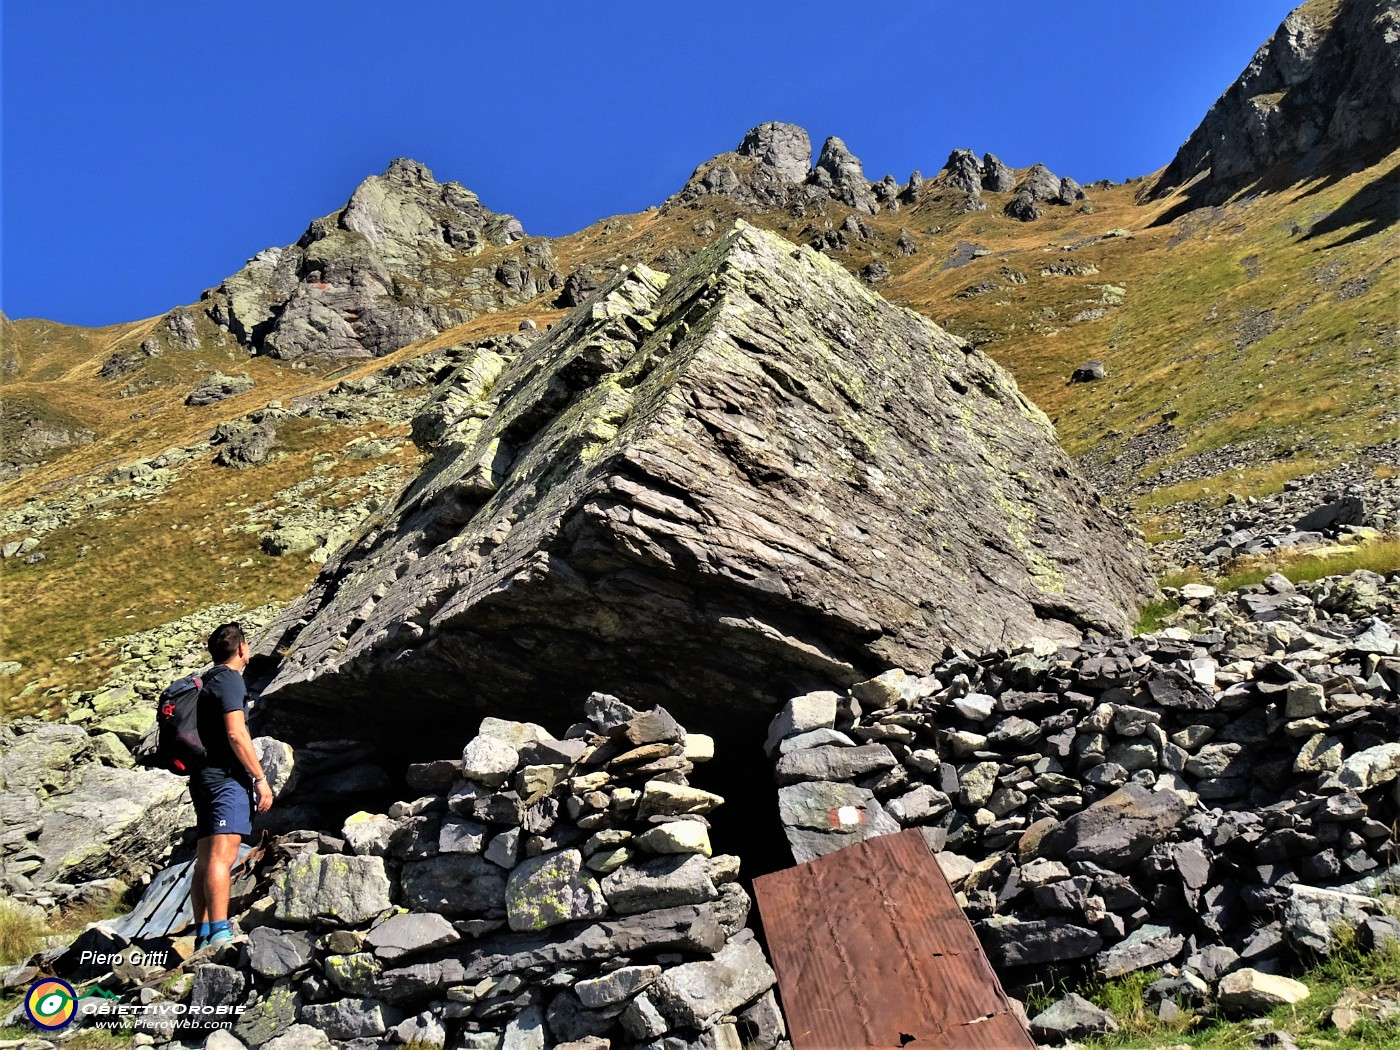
{"points": [[274, 953], [1072, 1018], [516, 734], [698, 994], [820, 817], [1118, 830], [662, 883], [1249, 991], [662, 798], [1146, 946], [676, 836], [454, 884], [350, 1018], [616, 986], [917, 806], [815, 738], [457, 835], [833, 763], [1011, 942], [300, 1037], [401, 935], [1370, 768], [975, 707], [802, 714]]}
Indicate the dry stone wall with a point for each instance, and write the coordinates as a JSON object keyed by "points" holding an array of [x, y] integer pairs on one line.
{"points": [[1205, 799], [539, 891]]}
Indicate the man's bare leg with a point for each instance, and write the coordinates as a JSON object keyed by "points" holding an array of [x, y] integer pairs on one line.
{"points": [[199, 899], [222, 853]]}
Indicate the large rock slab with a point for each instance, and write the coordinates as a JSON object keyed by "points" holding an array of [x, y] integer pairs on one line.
{"points": [[715, 490], [113, 823]]}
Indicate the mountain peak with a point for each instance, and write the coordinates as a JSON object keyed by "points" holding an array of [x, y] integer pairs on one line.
{"points": [[786, 148], [1321, 95]]}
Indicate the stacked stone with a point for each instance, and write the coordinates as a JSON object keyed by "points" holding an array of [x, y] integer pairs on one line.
{"points": [[540, 892], [1203, 800]]}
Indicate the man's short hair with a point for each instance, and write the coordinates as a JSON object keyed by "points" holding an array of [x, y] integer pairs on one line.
{"points": [[224, 642]]}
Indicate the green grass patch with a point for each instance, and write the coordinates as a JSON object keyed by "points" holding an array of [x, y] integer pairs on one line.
{"points": [[1154, 614], [1350, 977], [1381, 555]]}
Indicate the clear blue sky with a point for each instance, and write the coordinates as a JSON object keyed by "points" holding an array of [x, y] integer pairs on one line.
{"points": [[151, 147]]}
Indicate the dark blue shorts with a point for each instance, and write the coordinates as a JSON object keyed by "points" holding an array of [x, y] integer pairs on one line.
{"points": [[223, 805]]}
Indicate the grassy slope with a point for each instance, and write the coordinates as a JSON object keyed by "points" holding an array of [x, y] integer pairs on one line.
{"points": [[160, 560]]}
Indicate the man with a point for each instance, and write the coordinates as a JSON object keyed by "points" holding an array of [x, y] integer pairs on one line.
{"points": [[227, 786]]}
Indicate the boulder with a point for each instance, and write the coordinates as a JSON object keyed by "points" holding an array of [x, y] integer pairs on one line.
{"points": [[401, 935], [1250, 991], [1072, 1018], [551, 889], [332, 889], [1013, 942], [535, 552], [218, 387], [1312, 916], [1118, 830], [114, 822]]}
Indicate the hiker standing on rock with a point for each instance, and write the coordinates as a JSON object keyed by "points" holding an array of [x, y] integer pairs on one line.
{"points": [[227, 785]]}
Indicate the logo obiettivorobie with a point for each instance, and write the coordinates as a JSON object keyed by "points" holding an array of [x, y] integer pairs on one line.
{"points": [[51, 1003]]}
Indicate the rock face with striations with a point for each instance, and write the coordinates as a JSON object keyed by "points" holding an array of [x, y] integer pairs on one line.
{"points": [[405, 258], [1322, 93], [749, 479]]}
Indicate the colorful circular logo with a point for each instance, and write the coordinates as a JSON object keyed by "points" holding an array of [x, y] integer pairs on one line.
{"points": [[51, 1003]]}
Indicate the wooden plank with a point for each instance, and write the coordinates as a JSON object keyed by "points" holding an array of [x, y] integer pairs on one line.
{"points": [[872, 950]]}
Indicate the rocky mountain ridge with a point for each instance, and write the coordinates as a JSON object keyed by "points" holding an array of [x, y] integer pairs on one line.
{"points": [[397, 264], [1320, 96]]}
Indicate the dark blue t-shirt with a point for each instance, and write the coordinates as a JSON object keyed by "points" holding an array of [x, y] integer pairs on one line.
{"points": [[223, 692]]}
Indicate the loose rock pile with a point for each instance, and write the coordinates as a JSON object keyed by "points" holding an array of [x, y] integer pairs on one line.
{"points": [[1202, 801], [541, 891], [1345, 505]]}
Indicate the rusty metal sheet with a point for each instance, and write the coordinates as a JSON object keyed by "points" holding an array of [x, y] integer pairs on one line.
{"points": [[872, 950], [165, 909]]}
